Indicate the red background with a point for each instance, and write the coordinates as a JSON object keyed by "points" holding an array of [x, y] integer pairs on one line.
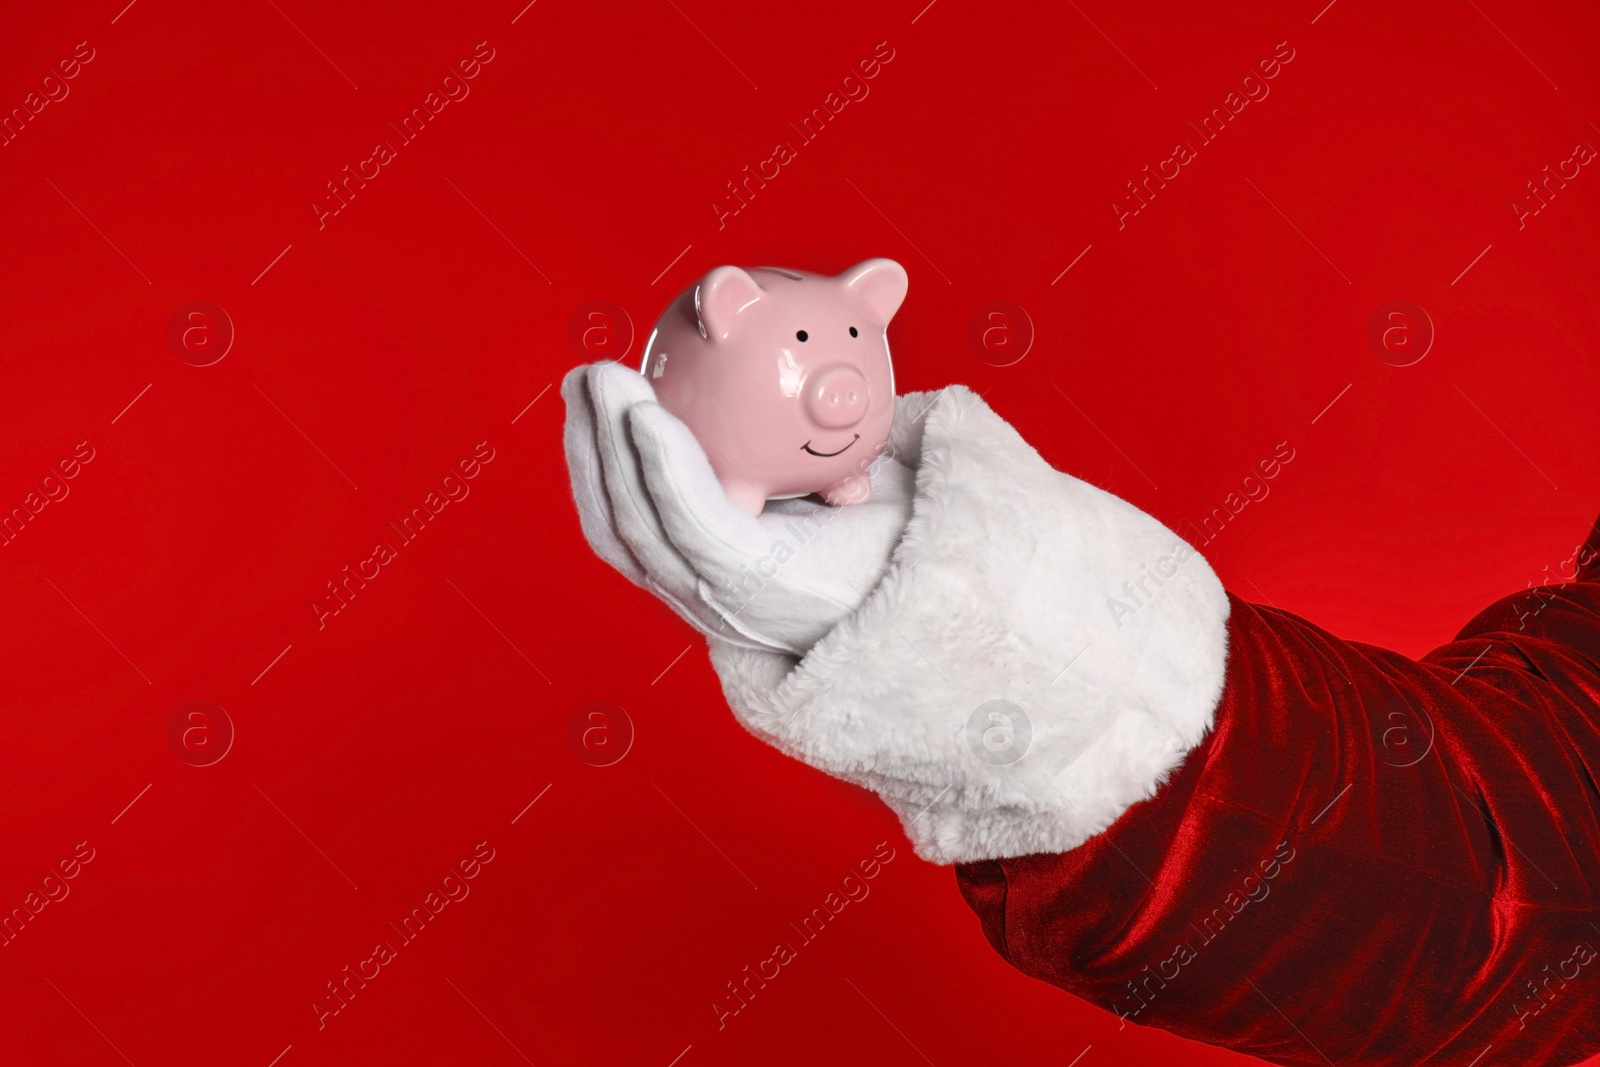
{"points": [[427, 714]]}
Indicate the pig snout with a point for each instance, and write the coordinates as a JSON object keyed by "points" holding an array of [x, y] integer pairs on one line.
{"points": [[837, 397]]}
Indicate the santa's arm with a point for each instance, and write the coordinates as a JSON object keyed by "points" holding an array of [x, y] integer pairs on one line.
{"points": [[1206, 815], [1370, 859], [1195, 812]]}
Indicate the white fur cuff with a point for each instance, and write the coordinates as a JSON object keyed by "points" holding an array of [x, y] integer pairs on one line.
{"points": [[1037, 659]]}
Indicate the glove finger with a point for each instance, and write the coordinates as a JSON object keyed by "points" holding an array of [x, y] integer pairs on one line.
{"points": [[749, 574], [717, 537], [609, 390], [616, 390], [588, 484]]}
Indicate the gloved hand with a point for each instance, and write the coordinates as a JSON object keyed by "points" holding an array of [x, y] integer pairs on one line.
{"points": [[652, 508], [1008, 656]]}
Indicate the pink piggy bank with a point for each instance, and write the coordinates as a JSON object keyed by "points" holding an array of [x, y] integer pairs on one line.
{"points": [[783, 376]]}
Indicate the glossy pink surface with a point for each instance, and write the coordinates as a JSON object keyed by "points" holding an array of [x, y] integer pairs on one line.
{"points": [[783, 376]]}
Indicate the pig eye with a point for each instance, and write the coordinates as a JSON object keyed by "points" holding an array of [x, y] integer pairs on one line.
{"points": [[852, 331], [802, 335]]}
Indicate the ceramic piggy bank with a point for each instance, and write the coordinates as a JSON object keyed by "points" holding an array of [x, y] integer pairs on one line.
{"points": [[783, 376]]}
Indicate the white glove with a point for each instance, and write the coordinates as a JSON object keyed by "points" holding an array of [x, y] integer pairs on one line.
{"points": [[651, 506]]}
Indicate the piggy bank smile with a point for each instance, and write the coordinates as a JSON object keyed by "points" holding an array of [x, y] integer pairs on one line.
{"points": [[829, 455], [783, 377]]}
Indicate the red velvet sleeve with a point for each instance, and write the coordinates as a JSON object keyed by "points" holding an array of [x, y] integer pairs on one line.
{"points": [[1370, 860]]}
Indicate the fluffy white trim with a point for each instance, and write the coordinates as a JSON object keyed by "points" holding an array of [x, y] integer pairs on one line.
{"points": [[1004, 587]]}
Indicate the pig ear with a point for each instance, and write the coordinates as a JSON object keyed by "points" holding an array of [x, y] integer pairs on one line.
{"points": [[882, 283], [721, 297]]}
